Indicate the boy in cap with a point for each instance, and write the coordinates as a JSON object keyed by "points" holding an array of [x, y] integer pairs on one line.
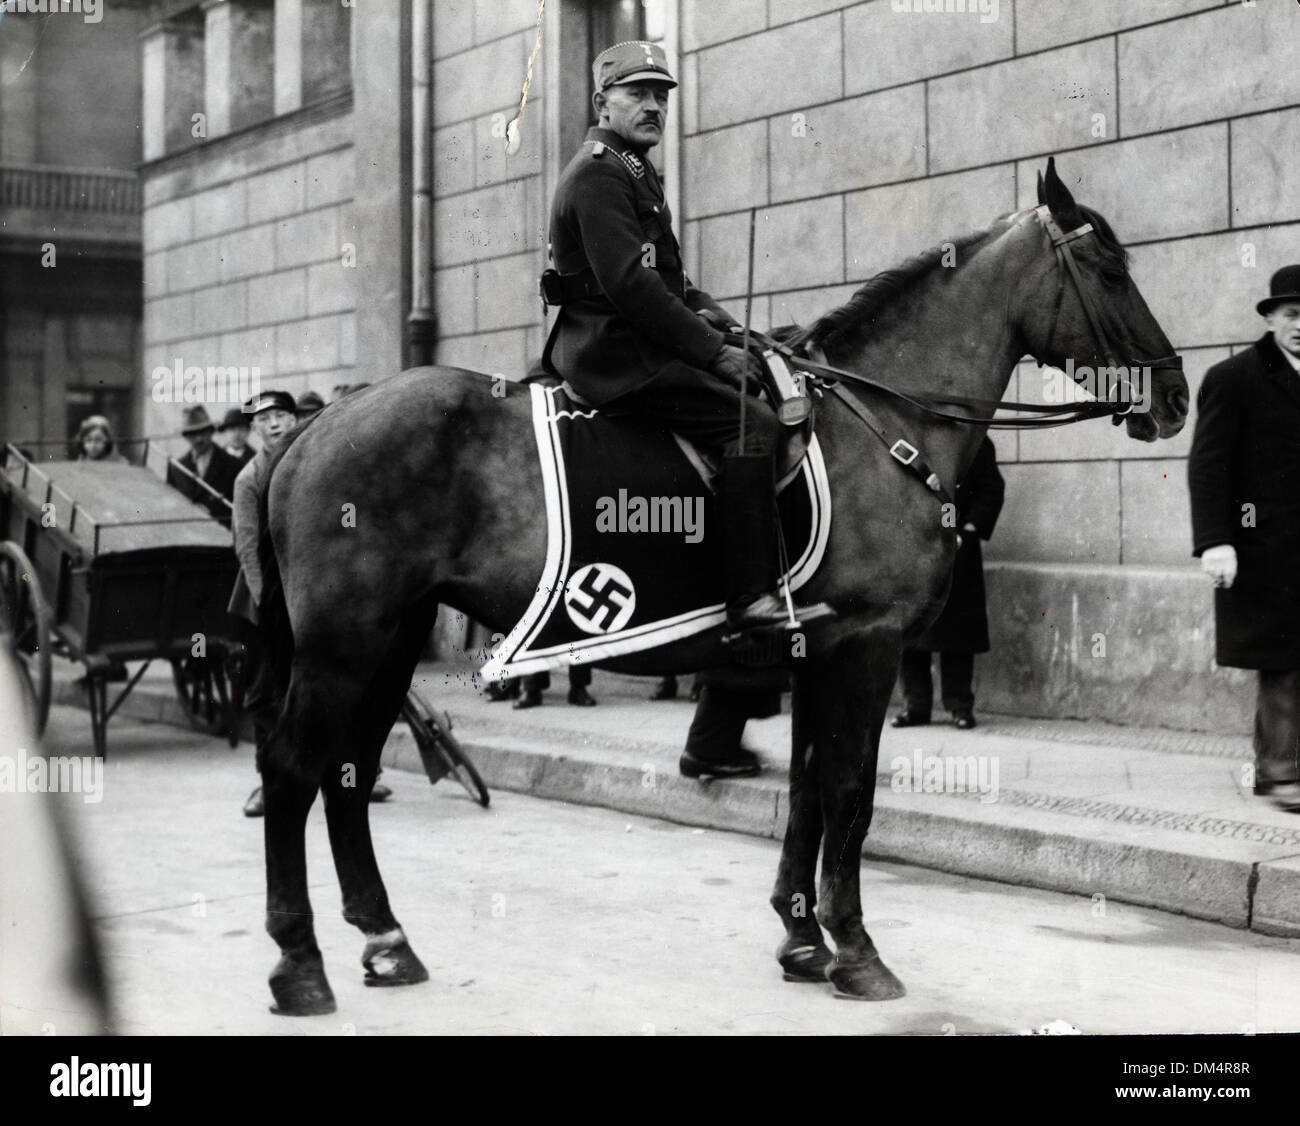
{"points": [[634, 336], [207, 462], [1244, 478]]}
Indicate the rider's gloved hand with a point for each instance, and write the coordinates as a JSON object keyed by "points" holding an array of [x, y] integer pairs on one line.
{"points": [[733, 364], [719, 320], [1220, 563]]}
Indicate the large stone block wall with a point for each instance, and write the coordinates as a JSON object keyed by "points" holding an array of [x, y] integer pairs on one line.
{"points": [[488, 208], [865, 134], [921, 125], [246, 253]]}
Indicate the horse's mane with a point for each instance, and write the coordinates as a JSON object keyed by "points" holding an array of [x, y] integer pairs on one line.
{"points": [[853, 322]]}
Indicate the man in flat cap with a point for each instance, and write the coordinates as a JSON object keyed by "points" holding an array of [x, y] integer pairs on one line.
{"points": [[1244, 477], [206, 462], [634, 336]]}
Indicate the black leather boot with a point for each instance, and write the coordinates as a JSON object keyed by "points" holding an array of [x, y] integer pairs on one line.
{"points": [[747, 499]]}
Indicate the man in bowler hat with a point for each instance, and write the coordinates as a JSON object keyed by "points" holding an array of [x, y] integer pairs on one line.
{"points": [[1244, 478]]}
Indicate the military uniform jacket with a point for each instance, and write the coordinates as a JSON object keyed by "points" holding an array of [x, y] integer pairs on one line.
{"points": [[609, 215], [1243, 475]]}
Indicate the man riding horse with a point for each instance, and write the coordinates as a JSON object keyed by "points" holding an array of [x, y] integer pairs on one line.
{"points": [[634, 336]]}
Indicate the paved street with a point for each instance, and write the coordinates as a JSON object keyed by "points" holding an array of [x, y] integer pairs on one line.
{"points": [[548, 918]]}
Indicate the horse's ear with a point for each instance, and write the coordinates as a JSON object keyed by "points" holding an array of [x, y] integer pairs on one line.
{"points": [[1042, 199], [1055, 194]]}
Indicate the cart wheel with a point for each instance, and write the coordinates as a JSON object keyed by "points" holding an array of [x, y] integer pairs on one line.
{"points": [[25, 618], [203, 693], [432, 731]]}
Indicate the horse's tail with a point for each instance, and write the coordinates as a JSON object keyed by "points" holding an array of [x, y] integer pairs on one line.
{"points": [[274, 627]]}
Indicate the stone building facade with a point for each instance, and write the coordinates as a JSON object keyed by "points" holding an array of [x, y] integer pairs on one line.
{"points": [[863, 132], [70, 295]]}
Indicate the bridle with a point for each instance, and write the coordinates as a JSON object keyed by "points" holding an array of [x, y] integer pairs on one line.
{"points": [[1043, 415], [1069, 267]]}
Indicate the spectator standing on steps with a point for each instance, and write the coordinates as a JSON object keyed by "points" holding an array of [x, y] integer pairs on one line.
{"points": [[962, 629], [1243, 476]]}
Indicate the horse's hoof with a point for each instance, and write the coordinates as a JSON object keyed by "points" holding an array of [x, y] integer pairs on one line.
{"points": [[865, 980], [804, 961], [301, 989], [393, 965]]}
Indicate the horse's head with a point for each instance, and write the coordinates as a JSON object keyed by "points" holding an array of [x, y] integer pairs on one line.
{"points": [[1085, 315]]}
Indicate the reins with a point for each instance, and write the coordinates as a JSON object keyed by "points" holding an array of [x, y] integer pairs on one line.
{"points": [[1047, 414]]}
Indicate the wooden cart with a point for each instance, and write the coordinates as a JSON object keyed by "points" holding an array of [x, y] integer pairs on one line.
{"points": [[105, 564]]}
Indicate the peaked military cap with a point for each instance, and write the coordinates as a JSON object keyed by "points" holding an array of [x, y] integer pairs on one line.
{"points": [[632, 61]]}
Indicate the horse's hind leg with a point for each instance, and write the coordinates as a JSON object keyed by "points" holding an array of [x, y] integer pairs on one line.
{"points": [[298, 981], [803, 954], [387, 957], [852, 696]]}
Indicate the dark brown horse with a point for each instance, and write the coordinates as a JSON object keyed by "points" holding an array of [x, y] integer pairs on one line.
{"points": [[424, 490]]}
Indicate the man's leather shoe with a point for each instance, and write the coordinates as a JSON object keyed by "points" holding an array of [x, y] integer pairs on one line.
{"points": [[498, 692], [906, 718], [1284, 795], [963, 721], [769, 610], [379, 793], [532, 698], [744, 765], [580, 698], [255, 807]]}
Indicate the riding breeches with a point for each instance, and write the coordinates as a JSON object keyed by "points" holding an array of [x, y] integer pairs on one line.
{"points": [[702, 408]]}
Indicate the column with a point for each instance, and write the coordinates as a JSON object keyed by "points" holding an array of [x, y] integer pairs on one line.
{"points": [[173, 91], [288, 55], [238, 58]]}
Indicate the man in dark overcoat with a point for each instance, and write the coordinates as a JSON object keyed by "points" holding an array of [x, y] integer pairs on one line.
{"points": [[962, 628], [1244, 479], [634, 336], [208, 462]]}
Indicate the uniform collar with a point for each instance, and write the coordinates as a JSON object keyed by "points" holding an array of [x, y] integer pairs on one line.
{"points": [[635, 162]]}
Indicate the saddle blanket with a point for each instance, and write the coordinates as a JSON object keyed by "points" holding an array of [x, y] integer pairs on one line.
{"points": [[634, 557]]}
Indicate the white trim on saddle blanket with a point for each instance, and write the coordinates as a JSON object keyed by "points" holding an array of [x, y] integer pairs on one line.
{"points": [[514, 657]]}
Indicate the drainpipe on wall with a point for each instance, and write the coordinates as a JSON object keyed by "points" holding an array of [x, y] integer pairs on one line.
{"points": [[422, 321]]}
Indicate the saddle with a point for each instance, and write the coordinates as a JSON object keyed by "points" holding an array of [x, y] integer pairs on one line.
{"points": [[785, 391]]}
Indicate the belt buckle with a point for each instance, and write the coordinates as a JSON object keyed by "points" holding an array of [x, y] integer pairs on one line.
{"points": [[909, 452]]}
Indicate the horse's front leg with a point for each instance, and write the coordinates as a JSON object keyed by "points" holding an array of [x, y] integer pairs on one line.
{"points": [[852, 696], [803, 954]]}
